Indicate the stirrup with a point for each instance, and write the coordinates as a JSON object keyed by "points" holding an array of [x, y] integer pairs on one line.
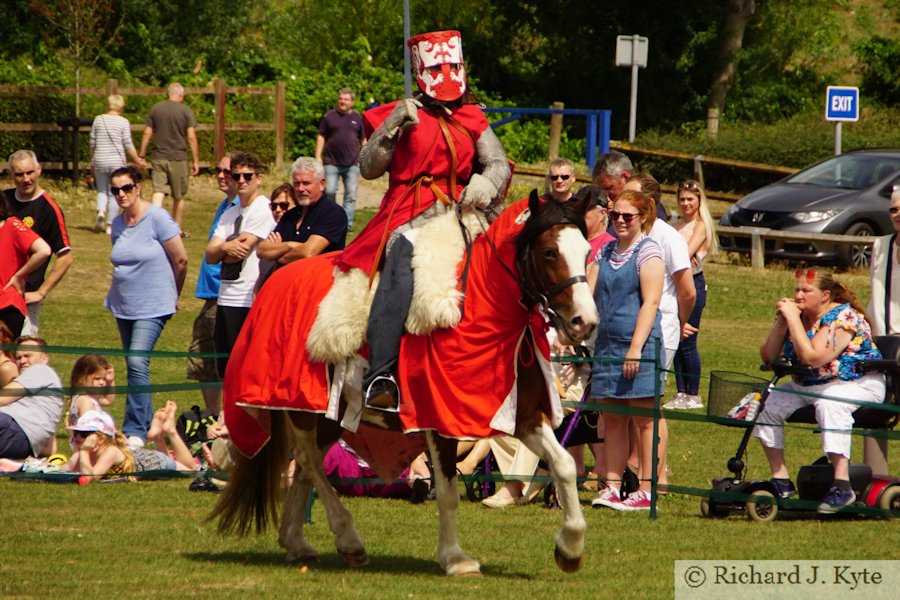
{"points": [[383, 394]]}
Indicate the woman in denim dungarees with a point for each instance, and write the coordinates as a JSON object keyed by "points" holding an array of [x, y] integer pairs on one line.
{"points": [[628, 282]]}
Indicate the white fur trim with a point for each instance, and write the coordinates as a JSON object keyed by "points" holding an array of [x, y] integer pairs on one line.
{"points": [[339, 330], [438, 250]]}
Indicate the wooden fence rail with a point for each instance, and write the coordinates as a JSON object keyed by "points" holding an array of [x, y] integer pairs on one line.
{"points": [[218, 89], [758, 235]]}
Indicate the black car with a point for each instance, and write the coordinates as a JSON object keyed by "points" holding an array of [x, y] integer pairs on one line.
{"points": [[845, 194]]}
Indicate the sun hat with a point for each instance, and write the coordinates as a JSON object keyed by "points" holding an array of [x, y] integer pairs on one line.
{"points": [[95, 420]]}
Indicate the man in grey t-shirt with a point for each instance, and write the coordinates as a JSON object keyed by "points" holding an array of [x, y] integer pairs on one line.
{"points": [[175, 126], [31, 405]]}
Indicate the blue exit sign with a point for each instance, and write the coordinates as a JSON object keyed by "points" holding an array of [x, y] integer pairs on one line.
{"points": [[842, 103]]}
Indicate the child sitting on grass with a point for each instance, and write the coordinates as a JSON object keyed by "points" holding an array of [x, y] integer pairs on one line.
{"points": [[92, 379]]}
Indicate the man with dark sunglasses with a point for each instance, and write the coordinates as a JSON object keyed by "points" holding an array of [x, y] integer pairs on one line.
{"points": [[208, 283], [233, 243], [36, 209], [560, 177]]}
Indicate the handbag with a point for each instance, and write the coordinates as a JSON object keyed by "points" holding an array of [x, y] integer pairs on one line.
{"points": [[231, 271]]}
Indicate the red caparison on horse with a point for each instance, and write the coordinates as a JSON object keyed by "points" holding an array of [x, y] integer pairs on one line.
{"points": [[488, 376]]}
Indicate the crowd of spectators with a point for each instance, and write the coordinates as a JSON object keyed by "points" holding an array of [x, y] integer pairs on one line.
{"points": [[647, 278]]}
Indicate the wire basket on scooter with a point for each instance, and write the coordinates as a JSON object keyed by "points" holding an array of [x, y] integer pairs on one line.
{"points": [[727, 389]]}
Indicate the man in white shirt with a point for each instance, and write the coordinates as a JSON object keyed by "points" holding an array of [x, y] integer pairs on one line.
{"points": [[240, 229], [678, 295]]}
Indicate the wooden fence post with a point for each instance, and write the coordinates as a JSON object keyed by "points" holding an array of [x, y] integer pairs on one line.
{"points": [[556, 121], [279, 123], [758, 248], [112, 87], [220, 96]]}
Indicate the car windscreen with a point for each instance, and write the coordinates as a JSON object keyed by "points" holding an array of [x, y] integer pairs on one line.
{"points": [[849, 171]]}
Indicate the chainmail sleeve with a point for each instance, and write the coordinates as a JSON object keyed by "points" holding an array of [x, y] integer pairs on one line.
{"points": [[494, 166], [375, 156]]}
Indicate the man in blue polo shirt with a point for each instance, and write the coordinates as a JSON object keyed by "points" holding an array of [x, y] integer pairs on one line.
{"points": [[315, 226], [208, 282]]}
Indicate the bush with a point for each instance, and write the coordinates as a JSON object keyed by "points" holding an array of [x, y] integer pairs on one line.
{"points": [[879, 60]]}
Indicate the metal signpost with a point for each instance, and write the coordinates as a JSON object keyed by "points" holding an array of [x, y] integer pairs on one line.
{"points": [[841, 104], [631, 51]]}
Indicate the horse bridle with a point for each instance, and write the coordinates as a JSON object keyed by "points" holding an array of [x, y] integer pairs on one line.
{"points": [[541, 295]]}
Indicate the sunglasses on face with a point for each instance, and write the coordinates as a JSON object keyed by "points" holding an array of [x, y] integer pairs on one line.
{"points": [[127, 188], [555, 177], [281, 205], [809, 274], [247, 176], [221, 171], [82, 434], [627, 217], [894, 210]]}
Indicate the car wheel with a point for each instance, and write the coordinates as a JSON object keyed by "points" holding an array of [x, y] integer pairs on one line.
{"points": [[857, 256]]}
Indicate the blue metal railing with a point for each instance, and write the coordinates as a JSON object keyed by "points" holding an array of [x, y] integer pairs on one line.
{"points": [[596, 128]]}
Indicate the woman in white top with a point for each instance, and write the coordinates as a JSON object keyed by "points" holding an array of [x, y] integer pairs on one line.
{"points": [[697, 228], [110, 141]]}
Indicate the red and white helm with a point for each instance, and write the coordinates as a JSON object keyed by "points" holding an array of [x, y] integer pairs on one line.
{"points": [[437, 61]]}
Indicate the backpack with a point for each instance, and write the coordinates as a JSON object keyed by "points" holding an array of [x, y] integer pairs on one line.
{"points": [[191, 427]]}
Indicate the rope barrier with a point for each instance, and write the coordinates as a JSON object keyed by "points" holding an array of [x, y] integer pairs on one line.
{"points": [[656, 412]]}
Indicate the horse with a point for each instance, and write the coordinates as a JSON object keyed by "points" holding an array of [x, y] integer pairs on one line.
{"points": [[529, 263]]}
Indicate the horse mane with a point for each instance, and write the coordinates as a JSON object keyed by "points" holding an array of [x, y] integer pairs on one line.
{"points": [[544, 215]]}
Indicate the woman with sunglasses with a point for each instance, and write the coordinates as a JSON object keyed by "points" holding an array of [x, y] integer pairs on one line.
{"points": [[884, 274], [149, 267], [627, 280], [283, 199], [698, 230], [824, 327]]}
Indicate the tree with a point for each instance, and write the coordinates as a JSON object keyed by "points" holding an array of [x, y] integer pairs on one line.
{"points": [[86, 27], [737, 17]]}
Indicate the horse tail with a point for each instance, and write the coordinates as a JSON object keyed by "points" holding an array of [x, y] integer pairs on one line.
{"points": [[255, 485]]}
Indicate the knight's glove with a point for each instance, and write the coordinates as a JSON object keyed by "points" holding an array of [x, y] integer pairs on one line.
{"points": [[479, 192], [404, 115]]}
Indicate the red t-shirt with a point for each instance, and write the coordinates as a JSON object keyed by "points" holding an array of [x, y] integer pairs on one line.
{"points": [[15, 241]]}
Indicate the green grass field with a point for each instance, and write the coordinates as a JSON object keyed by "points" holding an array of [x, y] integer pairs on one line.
{"points": [[148, 539]]}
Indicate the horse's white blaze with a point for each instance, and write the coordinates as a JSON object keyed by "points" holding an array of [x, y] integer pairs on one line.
{"points": [[573, 248]]}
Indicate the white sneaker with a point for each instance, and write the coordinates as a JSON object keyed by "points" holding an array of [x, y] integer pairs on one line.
{"points": [[134, 442], [678, 402], [692, 402], [99, 222]]}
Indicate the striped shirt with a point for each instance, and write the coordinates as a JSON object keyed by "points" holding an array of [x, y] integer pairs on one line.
{"points": [[110, 141], [649, 250]]}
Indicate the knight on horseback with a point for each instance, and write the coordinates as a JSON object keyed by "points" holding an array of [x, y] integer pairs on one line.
{"points": [[447, 173]]}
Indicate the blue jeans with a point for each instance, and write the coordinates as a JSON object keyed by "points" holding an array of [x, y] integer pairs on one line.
{"points": [[139, 335], [106, 202], [350, 177], [687, 358]]}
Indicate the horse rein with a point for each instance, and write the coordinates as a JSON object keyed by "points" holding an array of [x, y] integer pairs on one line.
{"points": [[542, 295]]}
